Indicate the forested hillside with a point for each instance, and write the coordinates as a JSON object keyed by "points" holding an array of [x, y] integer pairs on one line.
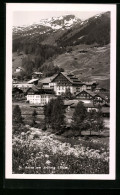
{"points": [[65, 43]]}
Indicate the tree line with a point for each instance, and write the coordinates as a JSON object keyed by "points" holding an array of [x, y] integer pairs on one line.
{"points": [[36, 56], [54, 117]]}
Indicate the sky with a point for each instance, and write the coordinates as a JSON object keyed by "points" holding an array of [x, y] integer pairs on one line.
{"points": [[29, 17]]}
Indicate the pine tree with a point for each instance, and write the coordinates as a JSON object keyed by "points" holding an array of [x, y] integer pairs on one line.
{"points": [[58, 115], [48, 108], [99, 121], [17, 117], [54, 114], [34, 114], [79, 116], [95, 120], [91, 120]]}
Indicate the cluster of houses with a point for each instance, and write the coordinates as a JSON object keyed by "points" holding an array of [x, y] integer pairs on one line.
{"points": [[39, 91]]}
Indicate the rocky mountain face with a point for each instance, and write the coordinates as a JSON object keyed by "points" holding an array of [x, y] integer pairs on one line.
{"points": [[59, 40], [46, 26]]}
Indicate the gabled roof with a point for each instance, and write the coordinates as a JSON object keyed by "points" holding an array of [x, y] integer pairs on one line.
{"points": [[47, 79], [102, 95], [34, 88], [16, 89], [70, 102], [70, 77], [89, 92], [32, 81]]}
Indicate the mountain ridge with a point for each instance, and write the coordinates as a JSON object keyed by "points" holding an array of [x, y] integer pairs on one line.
{"points": [[45, 46]]}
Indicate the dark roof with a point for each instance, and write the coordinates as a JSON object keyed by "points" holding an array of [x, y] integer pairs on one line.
{"points": [[16, 89], [41, 91], [47, 79], [73, 79], [89, 92], [22, 89], [34, 88], [105, 105], [102, 95]]}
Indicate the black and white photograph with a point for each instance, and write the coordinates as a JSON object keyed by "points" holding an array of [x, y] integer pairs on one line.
{"points": [[60, 91]]}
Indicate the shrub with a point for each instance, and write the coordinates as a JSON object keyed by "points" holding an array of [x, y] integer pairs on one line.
{"points": [[44, 128], [36, 136]]}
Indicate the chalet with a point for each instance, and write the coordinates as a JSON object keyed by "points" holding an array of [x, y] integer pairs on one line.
{"points": [[63, 81], [37, 75], [101, 98], [17, 93], [91, 85], [46, 82], [39, 96], [85, 96], [89, 106]]}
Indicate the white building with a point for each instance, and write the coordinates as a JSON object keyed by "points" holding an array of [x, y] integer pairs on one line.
{"points": [[18, 69], [23, 85], [39, 96], [62, 82]]}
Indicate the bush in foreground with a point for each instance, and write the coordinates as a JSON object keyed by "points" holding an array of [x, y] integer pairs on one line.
{"points": [[45, 155]]}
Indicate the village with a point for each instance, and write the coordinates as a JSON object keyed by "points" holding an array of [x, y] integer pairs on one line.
{"points": [[46, 138], [61, 120], [38, 91]]}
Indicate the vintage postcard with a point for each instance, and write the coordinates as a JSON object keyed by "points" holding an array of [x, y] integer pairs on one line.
{"points": [[60, 91]]}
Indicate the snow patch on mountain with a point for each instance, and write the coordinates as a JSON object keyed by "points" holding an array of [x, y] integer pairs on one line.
{"points": [[45, 25]]}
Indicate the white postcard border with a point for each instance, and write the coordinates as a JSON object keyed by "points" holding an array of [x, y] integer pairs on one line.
{"points": [[12, 7]]}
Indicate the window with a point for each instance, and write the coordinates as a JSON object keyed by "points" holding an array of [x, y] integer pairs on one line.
{"points": [[37, 96]]}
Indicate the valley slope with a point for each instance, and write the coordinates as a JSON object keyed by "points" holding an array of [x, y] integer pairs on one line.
{"points": [[81, 47]]}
